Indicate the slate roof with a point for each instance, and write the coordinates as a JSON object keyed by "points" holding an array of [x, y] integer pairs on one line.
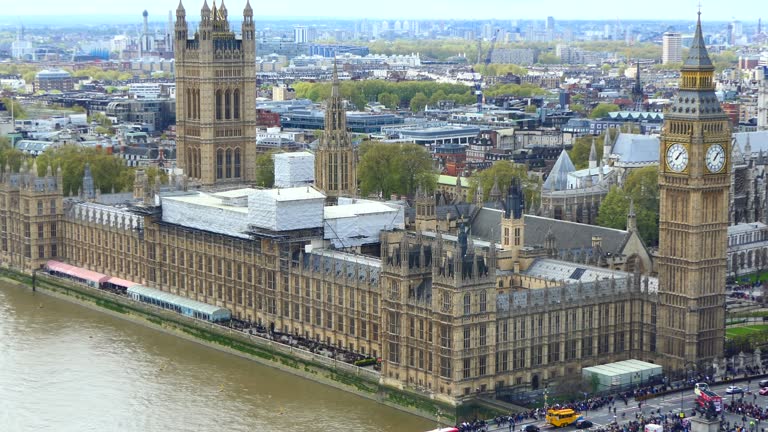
{"points": [[572, 235], [558, 176], [568, 235], [635, 149], [698, 58]]}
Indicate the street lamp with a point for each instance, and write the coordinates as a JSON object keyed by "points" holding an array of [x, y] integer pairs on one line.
{"points": [[685, 378]]}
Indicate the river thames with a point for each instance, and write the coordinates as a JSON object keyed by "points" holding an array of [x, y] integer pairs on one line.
{"points": [[67, 368]]}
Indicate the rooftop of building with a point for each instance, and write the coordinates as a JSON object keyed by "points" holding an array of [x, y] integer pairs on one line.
{"points": [[635, 149], [53, 73]]}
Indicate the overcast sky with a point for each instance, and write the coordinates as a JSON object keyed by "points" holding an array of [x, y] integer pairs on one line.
{"points": [[713, 10]]}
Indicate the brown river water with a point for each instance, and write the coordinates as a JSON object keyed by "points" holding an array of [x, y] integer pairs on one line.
{"points": [[67, 368]]}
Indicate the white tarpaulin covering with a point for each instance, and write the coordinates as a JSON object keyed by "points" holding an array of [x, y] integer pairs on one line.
{"points": [[294, 169], [220, 213], [286, 209], [354, 223]]}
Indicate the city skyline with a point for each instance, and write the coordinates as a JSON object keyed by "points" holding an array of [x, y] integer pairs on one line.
{"points": [[396, 9]]}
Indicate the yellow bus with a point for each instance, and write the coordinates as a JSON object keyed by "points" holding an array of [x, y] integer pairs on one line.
{"points": [[562, 417]]}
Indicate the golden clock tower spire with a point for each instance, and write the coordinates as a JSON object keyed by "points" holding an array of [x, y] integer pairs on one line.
{"points": [[694, 182]]}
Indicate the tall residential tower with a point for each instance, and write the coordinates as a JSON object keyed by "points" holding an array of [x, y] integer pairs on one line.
{"points": [[671, 48]]}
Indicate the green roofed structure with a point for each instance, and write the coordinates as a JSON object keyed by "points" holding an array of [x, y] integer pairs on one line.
{"points": [[182, 305], [620, 375]]}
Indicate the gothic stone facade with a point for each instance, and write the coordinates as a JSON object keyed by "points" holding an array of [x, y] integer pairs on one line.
{"points": [[216, 96]]}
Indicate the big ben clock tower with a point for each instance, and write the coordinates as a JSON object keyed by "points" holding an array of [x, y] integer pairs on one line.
{"points": [[694, 182]]}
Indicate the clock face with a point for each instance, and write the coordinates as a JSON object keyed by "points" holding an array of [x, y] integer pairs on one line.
{"points": [[677, 157], [715, 158]]}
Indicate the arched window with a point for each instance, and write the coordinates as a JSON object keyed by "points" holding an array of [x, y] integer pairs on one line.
{"points": [[219, 163], [197, 103], [483, 301], [467, 304], [189, 103], [236, 106], [228, 165], [198, 165], [190, 162], [237, 161], [218, 104], [227, 105]]}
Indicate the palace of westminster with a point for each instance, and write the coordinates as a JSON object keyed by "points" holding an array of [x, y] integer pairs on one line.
{"points": [[447, 311]]}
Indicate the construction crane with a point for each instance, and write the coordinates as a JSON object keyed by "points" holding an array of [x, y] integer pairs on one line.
{"points": [[479, 78]]}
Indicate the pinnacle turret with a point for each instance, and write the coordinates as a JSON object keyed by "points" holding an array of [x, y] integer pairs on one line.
{"points": [[335, 81]]}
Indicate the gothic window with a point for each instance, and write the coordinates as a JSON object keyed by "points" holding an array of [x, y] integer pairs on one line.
{"points": [[467, 304], [483, 302], [227, 105], [219, 103], [189, 103], [219, 163], [236, 105], [189, 162], [228, 164], [197, 104], [237, 163]]}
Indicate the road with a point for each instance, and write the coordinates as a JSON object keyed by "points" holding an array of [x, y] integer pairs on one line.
{"points": [[671, 402]]}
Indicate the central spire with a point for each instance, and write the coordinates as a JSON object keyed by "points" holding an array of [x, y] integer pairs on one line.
{"points": [[335, 85], [698, 58]]}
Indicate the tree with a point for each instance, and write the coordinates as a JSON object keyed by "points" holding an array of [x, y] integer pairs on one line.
{"points": [[9, 155], [377, 170], [582, 146], [503, 172], [643, 187], [577, 108], [18, 110], [155, 174], [549, 58], [386, 169], [389, 100], [416, 169], [418, 102], [602, 110], [613, 209], [437, 97], [109, 172], [265, 169]]}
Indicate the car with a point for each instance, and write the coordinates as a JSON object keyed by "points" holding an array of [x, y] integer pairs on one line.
{"points": [[763, 383], [530, 428], [583, 424], [734, 390], [763, 391]]}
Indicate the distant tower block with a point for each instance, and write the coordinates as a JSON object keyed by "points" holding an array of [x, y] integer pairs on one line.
{"points": [[146, 44]]}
